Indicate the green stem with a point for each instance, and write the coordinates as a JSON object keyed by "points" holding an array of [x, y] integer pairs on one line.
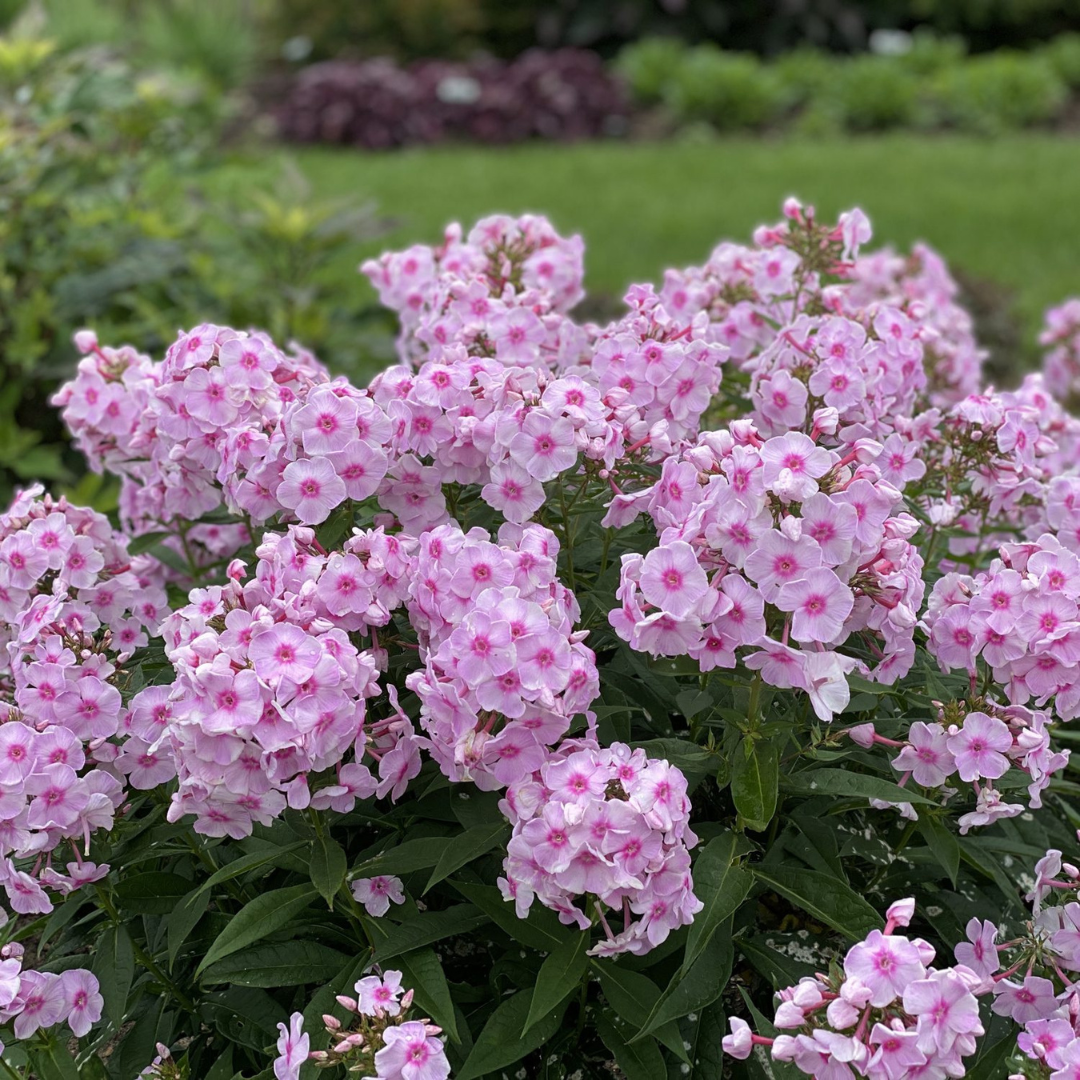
{"points": [[567, 546], [144, 957], [582, 1000], [10, 1070], [150, 964]]}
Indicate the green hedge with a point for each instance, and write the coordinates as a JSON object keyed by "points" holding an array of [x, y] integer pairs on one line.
{"points": [[935, 84]]}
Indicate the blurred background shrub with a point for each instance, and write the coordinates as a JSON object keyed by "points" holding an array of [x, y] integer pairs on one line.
{"points": [[105, 220], [566, 94]]}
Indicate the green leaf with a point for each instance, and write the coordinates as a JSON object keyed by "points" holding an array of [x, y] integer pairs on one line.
{"points": [[143, 543], [423, 971], [943, 843], [755, 779], [560, 975], [336, 527], [541, 930], [470, 845], [991, 1063], [690, 759], [244, 1015], [283, 963], [241, 866], [695, 988], [114, 966], [185, 917], [416, 854], [705, 1033], [693, 701], [53, 1062], [777, 966], [427, 928], [632, 996], [827, 898], [328, 867], [501, 1044], [222, 1069], [136, 1047], [258, 919], [60, 917], [640, 1060], [855, 785], [152, 893], [721, 885]]}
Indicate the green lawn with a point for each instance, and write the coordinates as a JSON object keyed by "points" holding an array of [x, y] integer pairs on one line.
{"points": [[1006, 210]]}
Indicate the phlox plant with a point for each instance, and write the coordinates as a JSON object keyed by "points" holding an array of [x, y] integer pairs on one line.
{"points": [[685, 696]]}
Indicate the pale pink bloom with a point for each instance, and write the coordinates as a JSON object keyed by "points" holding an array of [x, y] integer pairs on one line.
{"points": [[361, 466], [779, 664], [885, 965], [326, 423], [739, 1043], [1032, 999], [409, 1052], [206, 397], [82, 1000], [783, 400], [778, 559], [979, 952], [825, 680], [895, 1053], [293, 1046], [946, 1009], [832, 524], [379, 996], [672, 579], [377, 893], [980, 746], [545, 446], [819, 602], [513, 492], [927, 756], [284, 651], [311, 489], [795, 462]]}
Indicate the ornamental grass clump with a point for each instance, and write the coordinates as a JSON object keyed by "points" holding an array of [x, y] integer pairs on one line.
{"points": [[569, 698]]}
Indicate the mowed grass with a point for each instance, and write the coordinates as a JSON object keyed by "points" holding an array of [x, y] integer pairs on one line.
{"points": [[1005, 210]]}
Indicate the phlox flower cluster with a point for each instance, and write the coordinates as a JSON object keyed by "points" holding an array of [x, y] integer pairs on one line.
{"points": [[329, 446], [1032, 975], [990, 461], [848, 379], [887, 1014], [975, 747], [504, 671], [270, 691], [501, 291], [778, 547], [380, 1040], [36, 1000], [73, 607], [656, 374], [480, 422], [921, 286], [1061, 340], [1020, 617], [803, 301], [610, 823], [749, 291], [191, 426]]}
